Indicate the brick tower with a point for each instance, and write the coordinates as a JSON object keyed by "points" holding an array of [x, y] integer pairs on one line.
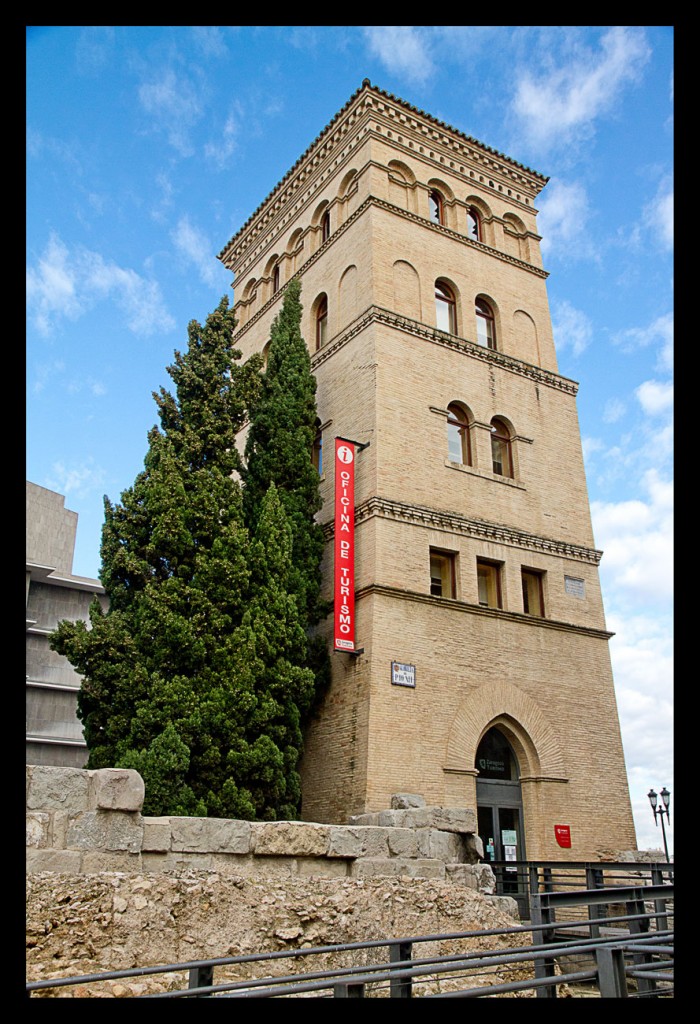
{"points": [[481, 673]]}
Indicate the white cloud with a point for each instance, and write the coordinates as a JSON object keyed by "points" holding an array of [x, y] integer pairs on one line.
{"points": [[222, 148], [67, 283], [637, 582], [645, 442], [305, 37], [77, 481], [94, 49], [655, 397], [561, 103], [403, 49], [46, 373], [665, 207], [659, 332], [572, 328], [173, 103], [642, 658], [591, 445], [658, 217], [75, 386], [637, 538], [564, 219], [195, 248], [614, 410], [210, 40], [52, 287]]}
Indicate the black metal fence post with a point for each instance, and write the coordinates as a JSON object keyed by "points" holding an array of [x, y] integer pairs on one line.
{"points": [[542, 913], [635, 906], [612, 981], [534, 879], [657, 878], [201, 977], [400, 988], [346, 990], [594, 880]]}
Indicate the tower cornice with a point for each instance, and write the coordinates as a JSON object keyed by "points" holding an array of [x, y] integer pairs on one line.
{"points": [[453, 604], [375, 314], [481, 529], [366, 103]]}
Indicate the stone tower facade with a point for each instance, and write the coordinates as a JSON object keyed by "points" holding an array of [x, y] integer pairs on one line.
{"points": [[483, 675]]}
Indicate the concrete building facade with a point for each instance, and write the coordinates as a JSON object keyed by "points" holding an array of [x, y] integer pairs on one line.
{"points": [[54, 733], [426, 312]]}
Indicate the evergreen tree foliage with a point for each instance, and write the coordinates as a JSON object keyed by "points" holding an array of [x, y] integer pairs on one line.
{"points": [[192, 676], [278, 450]]}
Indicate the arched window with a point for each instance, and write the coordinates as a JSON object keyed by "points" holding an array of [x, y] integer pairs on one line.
{"points": [[317, 450], [276, 279], [321, 322], [445, 308], [473, 224], [501, 453], [458, 439], [437, 209], [485, 324], [495, 758], [326, 226]]}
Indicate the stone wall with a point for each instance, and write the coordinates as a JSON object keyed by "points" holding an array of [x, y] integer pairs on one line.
{"points": [[84, 822], [109, 889], [85, 924]]}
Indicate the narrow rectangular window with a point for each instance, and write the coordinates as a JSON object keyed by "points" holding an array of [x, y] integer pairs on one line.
{"points": [[442, 573], [533, 592], [488, 576], [317, 453]]}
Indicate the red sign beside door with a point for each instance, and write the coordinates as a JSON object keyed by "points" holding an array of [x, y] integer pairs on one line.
{"points": [[562, 834]]}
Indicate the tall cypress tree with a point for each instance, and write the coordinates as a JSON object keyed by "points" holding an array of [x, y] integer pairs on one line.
{"points": [[278, 450], [278, 689], [161, 667]]}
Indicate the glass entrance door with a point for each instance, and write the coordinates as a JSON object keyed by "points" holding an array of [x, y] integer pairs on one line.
{"points": [[500, 814], [510, 839], [500, 830]]}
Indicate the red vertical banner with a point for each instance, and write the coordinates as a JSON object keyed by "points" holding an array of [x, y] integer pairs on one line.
{"points": [[344, 562]]}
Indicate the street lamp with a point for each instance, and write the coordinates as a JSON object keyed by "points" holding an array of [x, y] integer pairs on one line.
{"points": [[660, 811]]}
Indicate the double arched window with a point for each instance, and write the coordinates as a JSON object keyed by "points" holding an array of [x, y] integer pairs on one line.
{"points": [[485, 324], [445, 308], [501, 448], [437, 207], [458, 435], [473, 224]]}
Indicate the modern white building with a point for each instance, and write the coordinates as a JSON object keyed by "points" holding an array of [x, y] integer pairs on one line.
{"points": [[54, 734]]}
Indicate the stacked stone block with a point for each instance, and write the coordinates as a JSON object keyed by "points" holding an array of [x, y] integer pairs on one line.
{"points": [[85, 822]]}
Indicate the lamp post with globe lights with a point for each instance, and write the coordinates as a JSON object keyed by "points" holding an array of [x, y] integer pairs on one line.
{"points": [[660, 811]]}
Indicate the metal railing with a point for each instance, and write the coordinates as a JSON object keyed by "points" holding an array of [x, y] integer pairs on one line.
{"points": [[636, 962], [523, 879], [642, 932]]}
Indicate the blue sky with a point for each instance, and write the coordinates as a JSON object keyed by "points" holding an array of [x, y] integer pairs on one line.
{"points": [[147, 149]]}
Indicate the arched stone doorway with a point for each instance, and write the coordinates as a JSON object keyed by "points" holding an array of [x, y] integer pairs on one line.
{"points": [[500, 807]]}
